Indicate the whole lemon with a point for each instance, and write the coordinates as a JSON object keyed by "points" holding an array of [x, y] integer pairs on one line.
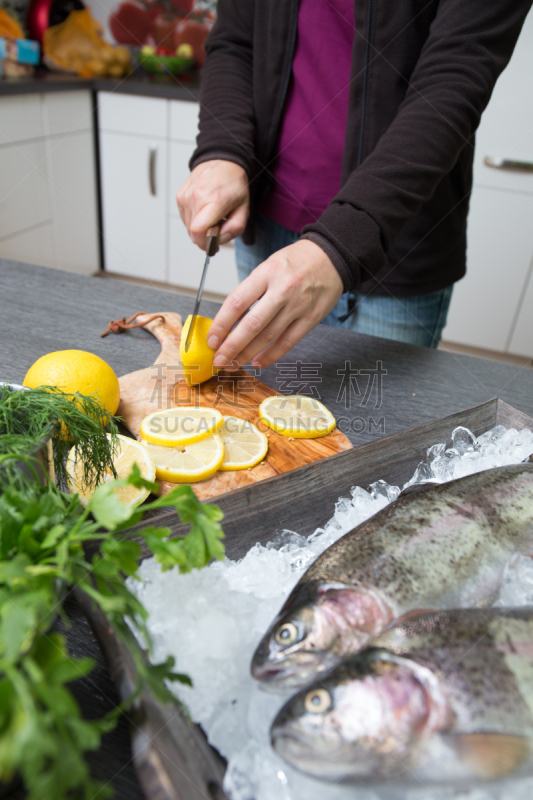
{"points": [[197, 361], [76, 371]]}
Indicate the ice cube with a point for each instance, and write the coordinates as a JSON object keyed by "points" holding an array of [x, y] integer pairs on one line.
{"points": [[463, 440]]}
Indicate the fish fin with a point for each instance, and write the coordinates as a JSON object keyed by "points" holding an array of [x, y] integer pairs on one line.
{"points": [[417, 612], [415, 488], [491, 755]]}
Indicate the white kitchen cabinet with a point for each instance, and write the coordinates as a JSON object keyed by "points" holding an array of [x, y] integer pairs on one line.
{"points": [[183, 121], [143, 232], [74, 203], [133, 180], [186, 262], [521, 341], [126, 113], [20, 119], [490, 307], [34, 246], [23, 187], [48, 187], [499, 253]]}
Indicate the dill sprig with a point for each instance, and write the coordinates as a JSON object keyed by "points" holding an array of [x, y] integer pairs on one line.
{"points": [[29, 418]]}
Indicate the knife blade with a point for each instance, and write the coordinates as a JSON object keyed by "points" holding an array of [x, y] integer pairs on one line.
{"points": [[210, 250]]}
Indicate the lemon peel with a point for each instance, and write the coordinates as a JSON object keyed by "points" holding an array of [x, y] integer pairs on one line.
{"points": [[188, 463], [180, 426], [197, 361], [76, 371], [244, 445], [297, 416], [129, 451]]}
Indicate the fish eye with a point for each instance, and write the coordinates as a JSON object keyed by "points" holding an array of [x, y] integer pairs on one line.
{"points": [[317, 701], [381, 667], [287, 633]]}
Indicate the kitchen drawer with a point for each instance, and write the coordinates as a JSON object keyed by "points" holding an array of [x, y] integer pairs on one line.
{"points": [[124, 113], [500, 249], [184, 120], [20, 118], [67, 111], [134, 219], [23, 187], [35, 246], [521, 341], [186, 261], [506, 129], [73, 192]]}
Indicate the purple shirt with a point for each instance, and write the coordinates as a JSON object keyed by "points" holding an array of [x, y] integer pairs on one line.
{"points": [[307, 169]]}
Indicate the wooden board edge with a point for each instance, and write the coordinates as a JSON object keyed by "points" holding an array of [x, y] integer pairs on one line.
{"points": [[172, 757]]}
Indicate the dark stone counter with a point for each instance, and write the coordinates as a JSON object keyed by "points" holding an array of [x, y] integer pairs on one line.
{"points": [[184, 87]]}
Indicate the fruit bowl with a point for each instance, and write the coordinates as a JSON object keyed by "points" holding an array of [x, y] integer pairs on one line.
{"points": [[165, 65]]}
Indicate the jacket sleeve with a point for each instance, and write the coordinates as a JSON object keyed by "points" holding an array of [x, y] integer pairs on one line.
{"points": [[226, 97], [470, 43]]}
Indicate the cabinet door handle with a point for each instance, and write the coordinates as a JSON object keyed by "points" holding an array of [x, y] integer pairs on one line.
{"points": [[508, 164], [151, 170]]}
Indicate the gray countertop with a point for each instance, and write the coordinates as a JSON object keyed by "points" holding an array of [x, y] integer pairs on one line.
{"points": [[184, 87], [45, 309], [42, 310]]}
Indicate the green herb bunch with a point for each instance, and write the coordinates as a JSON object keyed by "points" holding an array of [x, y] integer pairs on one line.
{"points": [[45, 539], [27, 418]]}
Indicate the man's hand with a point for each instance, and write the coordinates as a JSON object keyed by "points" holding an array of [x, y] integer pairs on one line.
{"points": [[214, 190], [293, 290]]}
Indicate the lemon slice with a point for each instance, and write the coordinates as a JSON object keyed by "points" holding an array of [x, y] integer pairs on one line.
{"points": [[197, 362], [188, 463], [296, 416], [244, 445], [180, 426], [129, 451]]}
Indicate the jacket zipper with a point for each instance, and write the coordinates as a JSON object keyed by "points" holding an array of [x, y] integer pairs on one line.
{"points": [[351, 301], [365, 82]]}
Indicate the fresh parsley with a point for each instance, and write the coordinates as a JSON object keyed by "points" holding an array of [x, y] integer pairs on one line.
{"points": [[44, 538]]}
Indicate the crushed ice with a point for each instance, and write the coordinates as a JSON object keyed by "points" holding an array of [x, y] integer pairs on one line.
{"points": [[212, 620]]}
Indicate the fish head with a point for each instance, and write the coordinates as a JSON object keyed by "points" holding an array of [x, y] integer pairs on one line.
{"points": [[363, 722], [318, 625]]}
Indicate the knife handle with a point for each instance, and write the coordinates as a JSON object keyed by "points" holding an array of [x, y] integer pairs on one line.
{"points": [[212, 240]]}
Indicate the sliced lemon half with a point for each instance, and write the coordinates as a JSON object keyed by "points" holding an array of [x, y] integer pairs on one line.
{"points": [[297, 416], [187, 463], [244, 445], [180, 426], [130, 451], [197, 360]]}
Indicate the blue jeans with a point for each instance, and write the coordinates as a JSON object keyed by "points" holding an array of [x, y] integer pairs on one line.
{"points": [[416, 320]]}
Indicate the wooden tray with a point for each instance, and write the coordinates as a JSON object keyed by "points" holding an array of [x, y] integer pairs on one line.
{"points": [[172, 757], [237, 394]]}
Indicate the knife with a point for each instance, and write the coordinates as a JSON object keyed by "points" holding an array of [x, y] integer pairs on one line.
{"points": [[210, 250]]}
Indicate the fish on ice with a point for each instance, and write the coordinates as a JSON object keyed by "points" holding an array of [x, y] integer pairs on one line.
{"points": [[443, 697], [435, 547]]}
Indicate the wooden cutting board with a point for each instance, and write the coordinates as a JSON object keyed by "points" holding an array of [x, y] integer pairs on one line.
{"points": [[239, 394]]}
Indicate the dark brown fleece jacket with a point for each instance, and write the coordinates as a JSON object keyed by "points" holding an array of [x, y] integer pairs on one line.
{"points": [[422, 74]]}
